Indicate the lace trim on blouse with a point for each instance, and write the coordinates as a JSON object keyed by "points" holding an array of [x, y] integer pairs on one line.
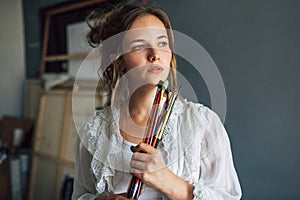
{"points": [[103, 131]]}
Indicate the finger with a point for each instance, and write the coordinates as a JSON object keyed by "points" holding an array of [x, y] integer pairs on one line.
{"points": [[136, 164], [140, 156], [122, 196], [134, 148], [136, 172], [147, 148], [143, 147], [137, 148]]}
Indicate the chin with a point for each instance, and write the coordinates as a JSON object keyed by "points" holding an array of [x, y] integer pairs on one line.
{"points": [[155, 81], [145, 79]]}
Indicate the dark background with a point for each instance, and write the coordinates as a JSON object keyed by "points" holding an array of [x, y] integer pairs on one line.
{"points": [[256, 46]]}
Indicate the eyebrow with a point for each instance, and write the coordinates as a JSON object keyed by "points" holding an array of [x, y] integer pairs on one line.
{"points": [[142, 40]]}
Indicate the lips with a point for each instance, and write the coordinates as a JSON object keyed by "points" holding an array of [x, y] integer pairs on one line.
{"points": [[155, 69]]}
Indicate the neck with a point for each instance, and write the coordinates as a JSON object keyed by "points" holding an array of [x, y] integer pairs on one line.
{"points": [[141, 101], [134, 117]]}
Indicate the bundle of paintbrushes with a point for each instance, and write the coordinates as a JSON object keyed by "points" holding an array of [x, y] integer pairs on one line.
{"points": [[161, 109]]}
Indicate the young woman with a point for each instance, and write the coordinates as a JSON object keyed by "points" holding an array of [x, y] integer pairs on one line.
{"points": [[194, 159]]}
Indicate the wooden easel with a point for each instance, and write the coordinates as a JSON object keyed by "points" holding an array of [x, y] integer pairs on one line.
{"points": [[57, 161], [53, 58]]}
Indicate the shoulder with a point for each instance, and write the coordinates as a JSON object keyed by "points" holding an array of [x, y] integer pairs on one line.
{"points": [[94, 126], [214, 135], [97, 118], [196, 112]]}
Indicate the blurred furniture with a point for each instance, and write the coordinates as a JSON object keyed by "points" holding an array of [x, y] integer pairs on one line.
{"points": [[33, 92], [56, 136], [56, 130], [15, 136]]}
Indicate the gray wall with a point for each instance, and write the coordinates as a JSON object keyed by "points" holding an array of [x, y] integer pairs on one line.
{"points": [[256, 47], [12, 58]]}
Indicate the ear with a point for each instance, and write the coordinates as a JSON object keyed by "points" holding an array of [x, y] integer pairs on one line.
{"points": [[112, 57]]}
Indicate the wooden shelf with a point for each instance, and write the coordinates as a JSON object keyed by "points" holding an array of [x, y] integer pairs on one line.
{"points": [[76, 6], [55, 58]]}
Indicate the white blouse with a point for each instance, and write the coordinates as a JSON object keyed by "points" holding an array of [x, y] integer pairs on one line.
{"points": [[195, 147]]}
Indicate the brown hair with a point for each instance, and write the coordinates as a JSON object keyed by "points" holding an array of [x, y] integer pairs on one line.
{"points": [[116, 21]]}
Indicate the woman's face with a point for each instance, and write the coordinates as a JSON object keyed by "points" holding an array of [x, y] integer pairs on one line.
{"points": [[148, 54]]}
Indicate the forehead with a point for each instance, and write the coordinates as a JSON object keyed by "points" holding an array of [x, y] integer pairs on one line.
{"points": [[147, 27], [147, 33], [147, 21]]}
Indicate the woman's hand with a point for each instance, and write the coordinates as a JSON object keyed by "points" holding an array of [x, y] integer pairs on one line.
{"points": [[148, 165]]}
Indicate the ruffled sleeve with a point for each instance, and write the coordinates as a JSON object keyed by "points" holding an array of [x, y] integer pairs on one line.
{"points": [[218, 179], [85, 182]]}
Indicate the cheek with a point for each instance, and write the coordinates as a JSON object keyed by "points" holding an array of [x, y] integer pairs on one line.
{"points": [[166, 56], [131, 61]]}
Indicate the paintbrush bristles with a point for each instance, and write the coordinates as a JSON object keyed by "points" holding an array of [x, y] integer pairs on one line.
{"points": [[165, 85]]}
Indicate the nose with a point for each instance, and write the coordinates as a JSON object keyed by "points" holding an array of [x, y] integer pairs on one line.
{"points": [[153, 55]]}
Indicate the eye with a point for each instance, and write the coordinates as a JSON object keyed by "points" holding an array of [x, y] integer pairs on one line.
{"points": [[138, 47], [163, 44]]}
